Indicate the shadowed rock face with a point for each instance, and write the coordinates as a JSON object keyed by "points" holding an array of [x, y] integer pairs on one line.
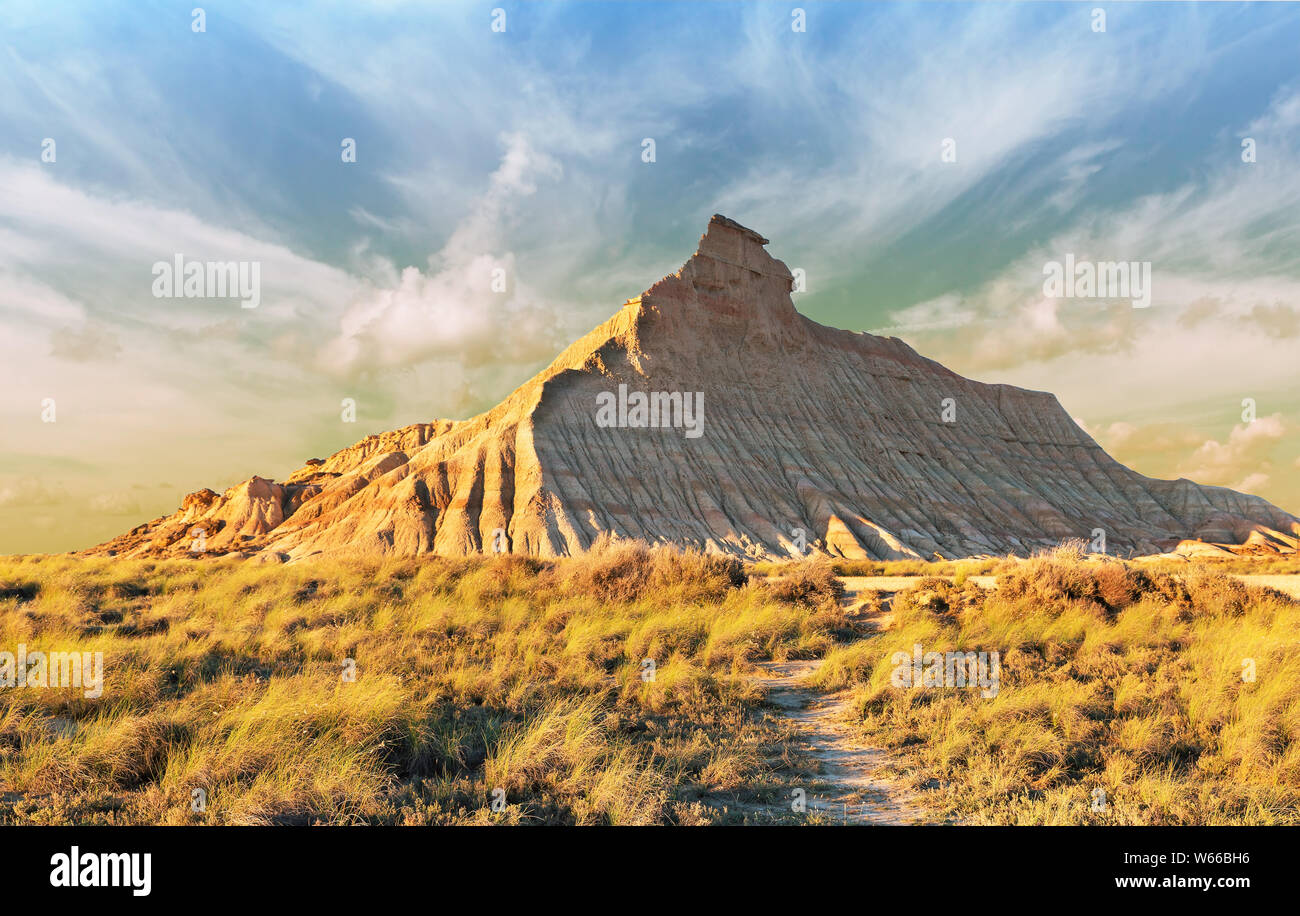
{"points": [[791, 425]]}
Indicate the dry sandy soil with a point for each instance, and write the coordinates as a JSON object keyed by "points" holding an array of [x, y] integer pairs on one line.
{"points": [[852, 788]]}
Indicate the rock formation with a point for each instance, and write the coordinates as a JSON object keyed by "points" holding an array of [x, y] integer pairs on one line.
{"points": [[757, 424]]}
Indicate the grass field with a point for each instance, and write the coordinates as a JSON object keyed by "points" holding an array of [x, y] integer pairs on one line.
{"points": [[617, 688], [1126, 697], [467, 677]]}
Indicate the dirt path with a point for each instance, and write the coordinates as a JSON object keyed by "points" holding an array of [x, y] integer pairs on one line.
{"points": [[851, 786], [1287, 584]]}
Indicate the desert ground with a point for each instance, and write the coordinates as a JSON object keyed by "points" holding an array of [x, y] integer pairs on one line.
{"points": [[637, 685]]}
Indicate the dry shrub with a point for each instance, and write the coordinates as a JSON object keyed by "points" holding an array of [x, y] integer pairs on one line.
{"points": [[931, 595], [1211, 593], [1071, 550], [810, 582], [625, 571], [1065, 576]]}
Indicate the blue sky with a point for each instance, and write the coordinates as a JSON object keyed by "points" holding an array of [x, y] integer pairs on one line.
{"points": [[522, 150]]}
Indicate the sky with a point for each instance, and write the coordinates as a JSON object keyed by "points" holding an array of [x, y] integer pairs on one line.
{"points": [[518, 152]]}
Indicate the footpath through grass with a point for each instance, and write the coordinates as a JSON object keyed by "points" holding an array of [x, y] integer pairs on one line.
{"points": [[1125, 696]]}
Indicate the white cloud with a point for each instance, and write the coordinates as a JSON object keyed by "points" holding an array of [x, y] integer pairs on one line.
{"points": [[1240, 462], [29, 491], [114, 503], [454, 311]]}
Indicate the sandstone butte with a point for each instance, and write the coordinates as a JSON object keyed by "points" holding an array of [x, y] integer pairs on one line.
{"points": [[838, 433]]}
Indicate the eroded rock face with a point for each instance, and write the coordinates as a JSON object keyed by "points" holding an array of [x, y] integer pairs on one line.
{"points": [[866, 447]]}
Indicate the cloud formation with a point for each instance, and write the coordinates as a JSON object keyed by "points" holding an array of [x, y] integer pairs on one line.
{"points": [[25, 492], [1241, 462], [88, 343], [471, 306]]}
